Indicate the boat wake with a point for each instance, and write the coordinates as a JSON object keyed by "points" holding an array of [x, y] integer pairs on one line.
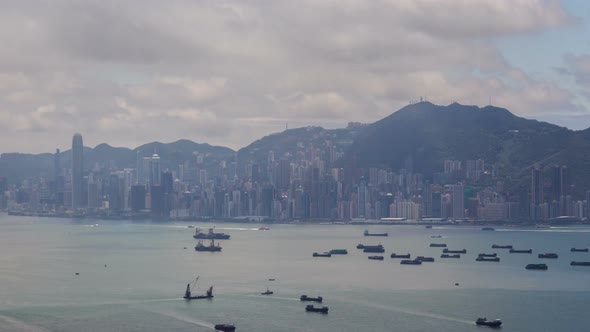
{"points": [[184, 318], [13, 324]]}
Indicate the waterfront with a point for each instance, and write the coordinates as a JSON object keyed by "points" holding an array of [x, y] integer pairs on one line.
{"points": [[147, 269]]}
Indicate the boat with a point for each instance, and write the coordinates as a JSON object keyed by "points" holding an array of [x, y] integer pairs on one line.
{"points": [[410, 262], [377, 258], [225, 327], [428, 226], [521, 251], [366, 233], [322, 254], [548, 255], [490, 323], [360, 246], [377, 248], [536, 267], [211, 247], [306, 298], [574, 263], [487, 259], [487, 255], [488, 229], [268, 292], [425, 259], [394, 255], [191, 286], [190, 226], [210, 235], [501, 246], [311, 308], [579, 250], [271, 279], [339, 252], [264, 228], [449, 251], [450, 256], [438, 245], [435, 236]]}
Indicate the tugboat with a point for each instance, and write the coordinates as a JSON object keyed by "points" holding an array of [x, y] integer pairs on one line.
{"points": [[425, 259], [449, 251], [323, 254], [188, 292], [377, 258], [450, 256], [488, 229], [394, 255], [490, 323], [438, 245], [339, 252], [501, 246], [306, 298], [536, 267], [268, 292], [548, 255], [377, 248], [524, 251], [579, 250], [225, 327], [487, 259], [311, 308], [210, 235], [487, 255], [410, 262], [366, 233], [211, 247], [574, 263]]}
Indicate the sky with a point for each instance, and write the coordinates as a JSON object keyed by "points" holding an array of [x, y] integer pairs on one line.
{"points": [[229, 72]]}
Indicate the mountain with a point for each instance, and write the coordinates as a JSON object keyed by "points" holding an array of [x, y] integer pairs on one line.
{"points": [[423, 135], [19, 166]]}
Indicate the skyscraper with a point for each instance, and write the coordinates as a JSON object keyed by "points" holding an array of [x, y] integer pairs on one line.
{"points": [[155, 172], [537, 184], [458, 192], [77, 171]]}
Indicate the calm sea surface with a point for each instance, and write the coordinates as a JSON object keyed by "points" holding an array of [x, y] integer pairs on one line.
{"points": [[147, 269]]}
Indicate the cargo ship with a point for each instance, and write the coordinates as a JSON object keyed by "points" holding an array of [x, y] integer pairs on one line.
{"points": [[501, 246], [521, 251], [579, 250], [450, 256], [322, 254], [549, 255], [311, 308], [377, 258], [225, 327], [339, 252], [394, 255], [378, 248], [211, 247], [191, 286], [536, 267], [449, 251], [438, 245], [574, 263], [306, 298], [487, 255], [210, 235], [410, 262], [425, 259], [366, 233], [487, 259]]}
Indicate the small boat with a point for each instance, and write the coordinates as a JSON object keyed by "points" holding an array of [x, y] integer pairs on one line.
{"points": [[366, 233], [268, 292], [488, 229], [410, 262], [190, 226], [360, 246], [501, 246], [490, 323], [579, 250], [521, 251], [311, 308], [438, 245], [487, 255], [425, 259], [435, 236], [225, 327], [449, 251], [339, 252], [378, 258], [306, 298], [271, 279], [574, 263], [450, 256], [211, 247], [428, 226], [322, 254], [394, 255], [548, 255], [487, 259], [264, 228], [191, 286], [536, 267]]}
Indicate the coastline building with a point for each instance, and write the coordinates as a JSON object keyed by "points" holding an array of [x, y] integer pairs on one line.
{"points": [[77, 172]]}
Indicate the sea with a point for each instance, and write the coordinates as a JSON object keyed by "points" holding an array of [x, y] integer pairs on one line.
{"points": [[94, 275]]}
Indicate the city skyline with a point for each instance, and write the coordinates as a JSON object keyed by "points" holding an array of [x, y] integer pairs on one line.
{"points": [[262, 65]]}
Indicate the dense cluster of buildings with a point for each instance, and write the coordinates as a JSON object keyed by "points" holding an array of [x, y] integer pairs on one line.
{"points": [[307, 184]]}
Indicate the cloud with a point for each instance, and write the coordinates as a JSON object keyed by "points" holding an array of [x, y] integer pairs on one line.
{"points": [[229, 72]]}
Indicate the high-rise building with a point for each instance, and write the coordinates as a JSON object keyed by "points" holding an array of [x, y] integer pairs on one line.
{"points": [[78, 196], [458, 199], [57, 164], [537, 185], [155, 172]]}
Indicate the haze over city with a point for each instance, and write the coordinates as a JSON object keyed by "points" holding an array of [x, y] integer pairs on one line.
{"points": [[227, 73]]}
